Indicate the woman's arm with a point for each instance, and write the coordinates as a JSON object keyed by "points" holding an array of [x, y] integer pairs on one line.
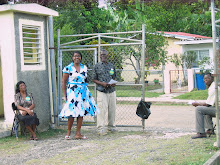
{"points": [[64, 80]]}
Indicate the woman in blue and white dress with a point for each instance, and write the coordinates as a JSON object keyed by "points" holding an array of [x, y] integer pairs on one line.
{"points": [[79, 101]]}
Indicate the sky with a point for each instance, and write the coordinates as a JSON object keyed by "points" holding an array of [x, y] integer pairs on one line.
{"points": [[102, 3]]}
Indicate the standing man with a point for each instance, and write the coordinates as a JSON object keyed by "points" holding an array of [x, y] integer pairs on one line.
{"points": [[104, 72], [205, 111]]}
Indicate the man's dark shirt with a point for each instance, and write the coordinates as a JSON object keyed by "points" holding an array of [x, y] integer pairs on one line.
{"points": [[102, 73]]}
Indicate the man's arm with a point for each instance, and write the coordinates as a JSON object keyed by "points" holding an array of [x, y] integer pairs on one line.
{"points": [[104, 84], [195, 104]]}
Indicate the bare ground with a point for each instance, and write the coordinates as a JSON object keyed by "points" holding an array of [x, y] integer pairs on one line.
{"points": [[130, 145]]}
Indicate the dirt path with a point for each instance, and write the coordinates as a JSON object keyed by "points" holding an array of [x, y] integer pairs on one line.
{"points": [[165, 122]]}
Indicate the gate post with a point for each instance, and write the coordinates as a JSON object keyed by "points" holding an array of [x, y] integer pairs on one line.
{"points": [[190, 73], [166, 81], [143, 69]]}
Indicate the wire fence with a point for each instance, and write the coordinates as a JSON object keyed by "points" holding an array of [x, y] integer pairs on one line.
{"points": [[126, 51], [127, 61]]}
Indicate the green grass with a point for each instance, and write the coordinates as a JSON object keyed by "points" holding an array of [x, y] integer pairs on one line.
{"points": [[194, 95], [134, 91]]}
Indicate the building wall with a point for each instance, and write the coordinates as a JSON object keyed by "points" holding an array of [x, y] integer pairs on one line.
{"points": [[8, 61], [171, 49], [37, 81], [1, 90]]}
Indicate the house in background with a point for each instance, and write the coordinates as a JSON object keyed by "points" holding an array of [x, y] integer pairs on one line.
{"points": [[181, 43], [25, 55], [178, 43]]}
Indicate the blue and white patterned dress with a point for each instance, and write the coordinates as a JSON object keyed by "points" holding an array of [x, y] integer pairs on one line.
{"points": [[79, 99]]}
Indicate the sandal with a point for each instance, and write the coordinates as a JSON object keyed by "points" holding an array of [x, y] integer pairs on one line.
{"points": [[81, 137], [67, 137], [35, 138]]}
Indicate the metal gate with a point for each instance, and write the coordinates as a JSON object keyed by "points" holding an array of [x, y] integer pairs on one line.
{"points": [[126, 51], [178, 81]]}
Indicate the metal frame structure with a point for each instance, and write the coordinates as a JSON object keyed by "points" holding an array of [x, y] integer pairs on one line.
{"points": [[67, 47], [216, 69]]}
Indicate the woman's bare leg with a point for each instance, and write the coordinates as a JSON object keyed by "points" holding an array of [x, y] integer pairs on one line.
{"points": [[78, 127], [34, 127], [31, 131], [70, 124]]}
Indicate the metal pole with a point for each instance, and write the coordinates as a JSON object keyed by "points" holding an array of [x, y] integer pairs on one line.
{"points": [[59, 95], [215, 71], [143, 69], [53, 68], [99, 47]]}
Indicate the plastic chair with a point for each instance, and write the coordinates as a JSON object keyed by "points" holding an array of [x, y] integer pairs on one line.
{"points": [[212, 131], [17, 123]]}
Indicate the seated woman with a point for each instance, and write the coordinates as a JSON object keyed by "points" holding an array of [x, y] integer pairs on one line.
{"points": [[25, 104]]}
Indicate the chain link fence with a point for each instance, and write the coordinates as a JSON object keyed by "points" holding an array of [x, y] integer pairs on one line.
{"points": [[127, 61], [126, 55]]}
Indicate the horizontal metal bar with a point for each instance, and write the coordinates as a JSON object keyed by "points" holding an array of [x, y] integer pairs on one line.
{"points": [[31, 33], [30, 28], [65, 123], [78, 40], [96, 45], [217, 9], [31, 38], [32, 62], [93, 34], [217, 21], [31, 43], [66, 50], [116, 44], [33, 57], [31, 53], [120, 38], [31, 47], [129, 126], [124, 84]]}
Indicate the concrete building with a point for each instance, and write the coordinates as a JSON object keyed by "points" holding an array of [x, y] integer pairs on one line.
{"points": [[25, 55]]}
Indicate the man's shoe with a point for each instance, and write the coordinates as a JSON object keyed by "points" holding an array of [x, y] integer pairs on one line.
{"points": [[199, 135], [112, 130], [102, 132]]}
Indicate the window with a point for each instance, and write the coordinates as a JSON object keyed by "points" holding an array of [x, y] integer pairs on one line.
{"points": [[32, 45], [200, 55]]}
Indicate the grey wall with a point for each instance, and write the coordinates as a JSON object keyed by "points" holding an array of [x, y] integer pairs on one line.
{"points": [[37, 81]]}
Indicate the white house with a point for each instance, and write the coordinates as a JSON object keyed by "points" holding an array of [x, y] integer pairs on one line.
{"points": [[181, 43]]}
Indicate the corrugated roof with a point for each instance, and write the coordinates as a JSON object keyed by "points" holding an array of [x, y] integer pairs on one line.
{"points": [[182, 35]]}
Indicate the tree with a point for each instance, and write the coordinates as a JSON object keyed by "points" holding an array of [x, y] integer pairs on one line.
{"points": [[155, 50]]}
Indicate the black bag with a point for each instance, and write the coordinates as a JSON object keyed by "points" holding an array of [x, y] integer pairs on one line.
{"points": [[143, 109]]}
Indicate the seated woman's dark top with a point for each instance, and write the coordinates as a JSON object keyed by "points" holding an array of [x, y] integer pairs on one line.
{"points": [[26, 103]]}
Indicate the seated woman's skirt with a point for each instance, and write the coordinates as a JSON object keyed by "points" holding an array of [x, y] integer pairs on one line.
{"points": [[29, 120]]}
